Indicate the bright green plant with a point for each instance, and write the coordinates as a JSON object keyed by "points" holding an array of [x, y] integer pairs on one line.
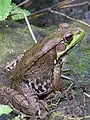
{"points": [[16, 10], [5, 109], [20, 117], [8, 8], [5, 8]]}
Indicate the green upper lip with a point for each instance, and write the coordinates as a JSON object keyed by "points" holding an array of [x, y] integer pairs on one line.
{"points": [[78, 36]]}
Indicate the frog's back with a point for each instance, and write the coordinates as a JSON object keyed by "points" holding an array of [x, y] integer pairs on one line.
{"points": [[36, 53], [41, 54]]}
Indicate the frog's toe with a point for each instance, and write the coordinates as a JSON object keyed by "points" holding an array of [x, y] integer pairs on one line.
{"points": [[13, 63], [41, 112]]}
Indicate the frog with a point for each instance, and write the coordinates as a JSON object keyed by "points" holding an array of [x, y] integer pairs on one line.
{"points": [[37, 72], [37, 63]]}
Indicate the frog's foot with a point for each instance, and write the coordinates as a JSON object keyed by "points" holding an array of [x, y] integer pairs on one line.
{"points": [[41, 88], [27, 103], [54, 99], [39, 106]]}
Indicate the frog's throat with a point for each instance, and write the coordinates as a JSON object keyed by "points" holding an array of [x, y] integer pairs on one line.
{"points": [[76, 38]]}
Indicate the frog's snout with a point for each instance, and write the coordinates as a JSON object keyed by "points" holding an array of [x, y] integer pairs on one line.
{"points": [[78, 32]]}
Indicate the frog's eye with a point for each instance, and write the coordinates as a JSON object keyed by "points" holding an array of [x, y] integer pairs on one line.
{"points": [[68, 37]]}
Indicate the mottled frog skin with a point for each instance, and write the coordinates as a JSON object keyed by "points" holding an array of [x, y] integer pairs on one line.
{"points": [[34, 75]]}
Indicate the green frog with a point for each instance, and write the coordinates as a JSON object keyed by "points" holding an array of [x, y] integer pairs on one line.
{"points": [[38, 63], [36, 73]]}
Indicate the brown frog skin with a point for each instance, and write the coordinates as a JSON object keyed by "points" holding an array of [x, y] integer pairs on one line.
{"points": [[37, 64]]}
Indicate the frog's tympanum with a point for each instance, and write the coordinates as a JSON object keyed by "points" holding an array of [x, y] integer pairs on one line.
{"points": [[37, 72]]}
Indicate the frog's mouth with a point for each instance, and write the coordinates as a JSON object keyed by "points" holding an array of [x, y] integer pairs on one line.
{"points": [[69, 41]]}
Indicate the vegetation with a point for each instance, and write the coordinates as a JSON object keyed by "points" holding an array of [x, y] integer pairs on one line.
{"points": [[5, 8], [78, 60], [10, 9], [5, 109]]}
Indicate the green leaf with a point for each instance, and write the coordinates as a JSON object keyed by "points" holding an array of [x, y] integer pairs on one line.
{"points": [[5, 109], [15, 10], [5, 7]]}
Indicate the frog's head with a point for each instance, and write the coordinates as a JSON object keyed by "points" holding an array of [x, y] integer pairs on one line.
{"points": [[70, 39]]}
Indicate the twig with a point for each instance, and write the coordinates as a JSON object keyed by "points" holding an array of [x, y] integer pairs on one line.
{"points": [[86, 94], [29, 27], [69, 87], [60, 4], [63, 4], [66, 70], [22, 3], [74, 5], [87, 117], [84, 100], [66, 77], [76, 20]]}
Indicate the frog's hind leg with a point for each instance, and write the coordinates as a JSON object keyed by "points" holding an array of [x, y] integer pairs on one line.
{"points": [[14, 99], [25, 102], [38, 106]]}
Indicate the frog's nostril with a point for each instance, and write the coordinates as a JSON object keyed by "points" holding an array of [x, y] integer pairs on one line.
{"points": [[78, 32]]}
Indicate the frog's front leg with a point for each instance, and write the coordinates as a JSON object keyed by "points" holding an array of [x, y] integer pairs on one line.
{"points": [[57, 80], [50, 84]]}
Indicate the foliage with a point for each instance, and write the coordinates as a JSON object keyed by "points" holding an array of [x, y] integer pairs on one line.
{"points": [[15, 10], [20, 117], [5, 8], [5, 109]]}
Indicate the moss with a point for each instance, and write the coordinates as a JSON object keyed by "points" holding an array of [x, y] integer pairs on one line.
{"points": [[79, 60], [13, 41]]}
